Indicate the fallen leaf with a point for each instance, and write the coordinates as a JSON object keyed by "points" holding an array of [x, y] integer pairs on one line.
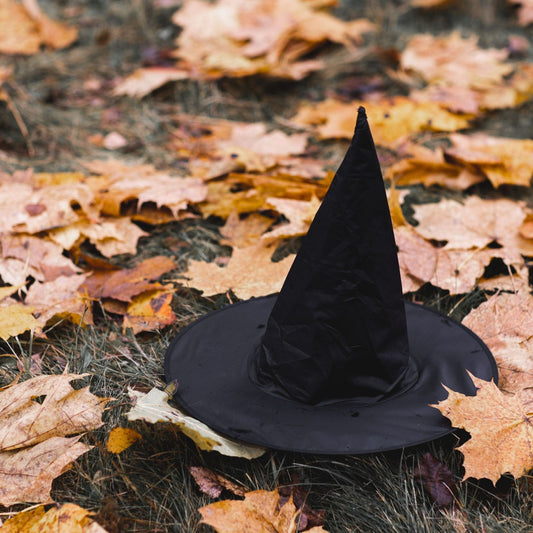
{"points": [[299, 213], [525, 11], [475, 224], [242, 232], [431, 168], [454, 60], [431, 4], [437, 480], [393, 119], [110, 236], [213, 484], [26, 475], [67, 518], [454, 270], [260, 511], [125, 284], [230, 38], [24, 28], [63, 411], [16, 319], [149, 311], [505, 323], [501, 430], [249, 273], [119, 182], [153, 407], [114, 141], [61, 298], [121, 439], [145, 80], [27, 255], [503, 161]]}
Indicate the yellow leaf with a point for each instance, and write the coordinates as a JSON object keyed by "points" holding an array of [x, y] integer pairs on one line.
{"points": [[16, 319], [259, 512], [68, 518], [121, 439], [392, 119], [249, 273], [501, 430]]}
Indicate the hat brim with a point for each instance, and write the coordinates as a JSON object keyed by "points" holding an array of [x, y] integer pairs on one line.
{"points": [[209, 360]]}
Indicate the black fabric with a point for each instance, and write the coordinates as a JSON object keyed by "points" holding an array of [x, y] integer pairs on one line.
{"points": [[337, 363], [209, 359], [338, 327]]}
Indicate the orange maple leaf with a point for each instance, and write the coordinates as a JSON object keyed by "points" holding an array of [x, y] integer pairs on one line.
{"points": [[501, 429]]}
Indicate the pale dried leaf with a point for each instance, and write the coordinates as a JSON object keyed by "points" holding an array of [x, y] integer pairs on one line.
{"points": [[153, 407]]}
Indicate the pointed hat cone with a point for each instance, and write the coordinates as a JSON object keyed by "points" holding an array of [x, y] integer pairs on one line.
{"points": [[338, 328], [337, 362]]}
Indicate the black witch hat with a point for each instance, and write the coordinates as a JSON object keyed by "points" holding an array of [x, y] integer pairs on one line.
{"points": [[337, 362]]}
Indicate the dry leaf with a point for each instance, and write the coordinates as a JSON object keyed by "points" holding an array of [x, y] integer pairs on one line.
{"points": [[431, 4], [501, 430], [242, 232], [121, 439], [120, 182], [475, 224], [26, 475], [67, 518], [268, 37], [125, 284], [24, 28], [16, 319], [259, 512], [61, 298], [63, 411], [392, 119], [431, 168], [249, 273], [149, 311], [299, 213], [525, 11], [153, 407], [454, 60], [503, 161], [454, 270], [436, 479], [505, 323], [27, 255], [213, 484], [145, 80]]}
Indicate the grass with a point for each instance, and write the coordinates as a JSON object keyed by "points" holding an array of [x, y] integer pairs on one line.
{"points": [[148, 487]]}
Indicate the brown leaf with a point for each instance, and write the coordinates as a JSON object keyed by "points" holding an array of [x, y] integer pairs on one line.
{"points": [[26, 475], [249, 273], [145, 80], [475, 224], [437, 480], [59, 299], [525, 11], [124, 284], [213, 484], [259, 512], [501, 430], [27, 255], [505, 323], [149, 311], [63, 411], [60, 519]]}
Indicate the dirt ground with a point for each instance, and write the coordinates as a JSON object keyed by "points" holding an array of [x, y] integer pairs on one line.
{"points": [[64, 97]]}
